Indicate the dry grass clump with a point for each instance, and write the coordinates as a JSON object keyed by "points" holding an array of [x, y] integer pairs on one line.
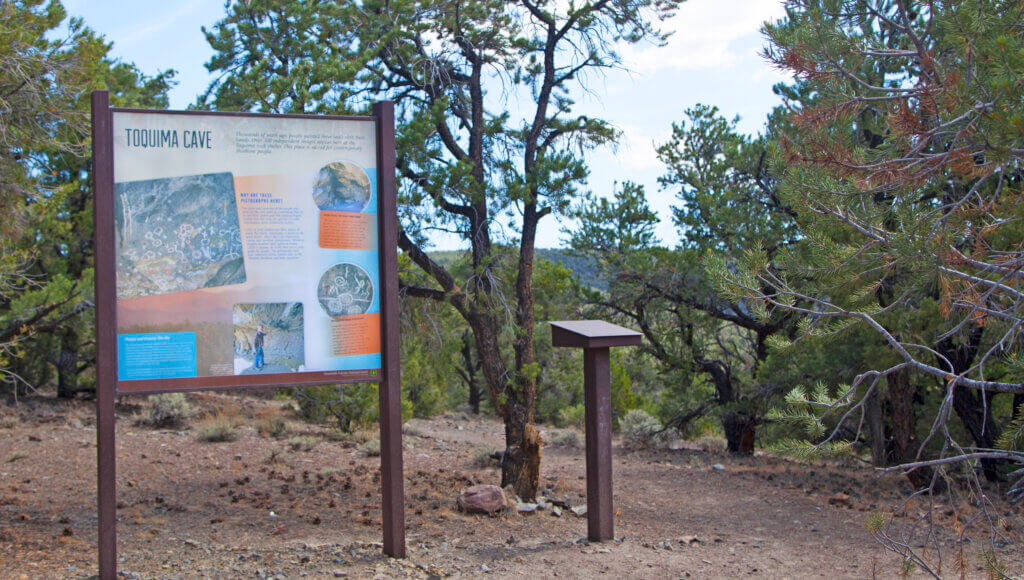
{"points": [[711, 443], [371, 448], [275, 456], [410, 430], [640, 429], [270, 422], [217, 428], [303, 443], [483, 457], [9, 421]]}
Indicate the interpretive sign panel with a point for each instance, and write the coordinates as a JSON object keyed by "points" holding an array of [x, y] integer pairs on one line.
{"points": [[238, 250], [246, 246]]}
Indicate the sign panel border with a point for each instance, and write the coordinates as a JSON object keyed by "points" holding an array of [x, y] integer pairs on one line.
{"points": [[106, 273], [108, 386]]}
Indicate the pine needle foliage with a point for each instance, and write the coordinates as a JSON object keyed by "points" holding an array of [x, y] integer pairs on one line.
{"points": [[1012, 438], [904, 166]]}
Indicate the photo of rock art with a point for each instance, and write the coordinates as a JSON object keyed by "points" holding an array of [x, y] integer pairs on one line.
{"points": [[268, 338], [177, 234], [341, 186], [345, 289]]}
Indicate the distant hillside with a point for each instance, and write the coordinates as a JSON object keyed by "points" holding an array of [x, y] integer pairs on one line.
{"points": [[584, 269]]}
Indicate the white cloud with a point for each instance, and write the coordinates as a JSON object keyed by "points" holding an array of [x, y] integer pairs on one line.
{"points": [[636, 148], [145, 30], [703, 31]]}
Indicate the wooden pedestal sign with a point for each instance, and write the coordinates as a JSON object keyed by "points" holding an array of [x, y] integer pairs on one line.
{"points": [[238, 250], [595, 337]]}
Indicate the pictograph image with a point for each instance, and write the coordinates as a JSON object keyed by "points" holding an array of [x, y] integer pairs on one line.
{"points": [[177, 234], [345, 289]]}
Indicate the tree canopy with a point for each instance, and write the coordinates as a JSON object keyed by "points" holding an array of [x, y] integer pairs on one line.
{"points": [[487, 137], [46, 264]]}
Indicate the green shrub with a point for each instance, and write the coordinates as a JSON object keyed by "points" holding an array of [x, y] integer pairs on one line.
{"points": [[350, 406], [573, 416], [168, 410], [423, 387], [567, 438], [640, 429], [624, 399], [217, 428]]}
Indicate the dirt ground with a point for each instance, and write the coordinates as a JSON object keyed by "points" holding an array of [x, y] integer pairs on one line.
{"points": [[266, 507]]}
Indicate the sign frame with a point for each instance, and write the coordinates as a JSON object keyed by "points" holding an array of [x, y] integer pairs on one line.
{"points": [[108, 387]]}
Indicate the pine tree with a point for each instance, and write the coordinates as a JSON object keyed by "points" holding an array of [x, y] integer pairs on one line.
{"points": [[46, 265], [904, 167], [728, 207], [455, 69]]}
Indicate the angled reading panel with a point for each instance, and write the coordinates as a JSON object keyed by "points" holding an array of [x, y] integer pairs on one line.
{"points": [[592, 334]]}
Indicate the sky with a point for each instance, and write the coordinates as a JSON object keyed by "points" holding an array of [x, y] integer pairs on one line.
{"points": [[713, 57]]}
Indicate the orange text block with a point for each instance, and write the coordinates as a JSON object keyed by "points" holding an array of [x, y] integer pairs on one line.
{"points": [[348, 231], [357, 334]]}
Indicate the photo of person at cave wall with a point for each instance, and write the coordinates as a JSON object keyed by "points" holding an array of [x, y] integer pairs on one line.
{"points": [[268, 338]]}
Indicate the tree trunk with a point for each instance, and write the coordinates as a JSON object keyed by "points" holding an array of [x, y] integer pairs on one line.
{"points": [[474, 395], [976, 414], [738, 426], [521, 463], [470, 372], [67, 368], [974, 411], [876, 428], [739, 432], [904, 426]]}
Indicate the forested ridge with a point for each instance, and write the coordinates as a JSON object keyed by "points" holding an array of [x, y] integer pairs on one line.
{"points": [[847, 284], [583, 268]]}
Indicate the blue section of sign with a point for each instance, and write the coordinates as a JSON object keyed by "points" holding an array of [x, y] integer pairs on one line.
{"points": [[158, 355], [357, 362]]}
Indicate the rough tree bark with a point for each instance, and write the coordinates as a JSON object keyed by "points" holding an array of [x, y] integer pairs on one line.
{"points": [[973, 408], [738, 425], [876, 429], [67, 373], [905, 444], [468, 372]]}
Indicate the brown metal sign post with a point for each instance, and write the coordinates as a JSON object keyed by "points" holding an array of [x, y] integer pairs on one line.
{"points": [[158, 256], [106, 331], [595, 337]]}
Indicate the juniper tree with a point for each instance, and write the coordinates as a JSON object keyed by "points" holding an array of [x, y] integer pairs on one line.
{"points": [[727, 206]]}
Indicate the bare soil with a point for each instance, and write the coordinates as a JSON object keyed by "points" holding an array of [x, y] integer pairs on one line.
{"points": [[255, 507]]}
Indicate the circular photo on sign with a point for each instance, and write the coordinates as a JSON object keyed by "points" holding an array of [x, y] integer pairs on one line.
{"points": [[345, 289], [341, 186]]}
